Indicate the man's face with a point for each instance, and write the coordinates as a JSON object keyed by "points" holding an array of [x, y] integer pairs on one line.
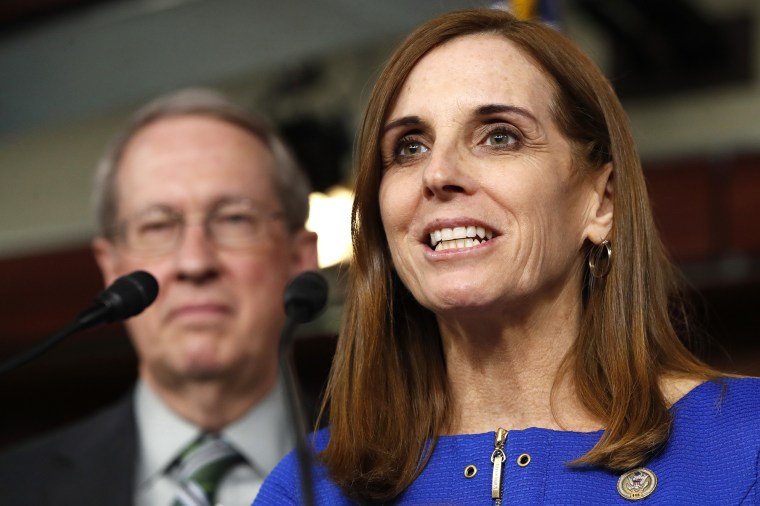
{"points": [[219, 311]]}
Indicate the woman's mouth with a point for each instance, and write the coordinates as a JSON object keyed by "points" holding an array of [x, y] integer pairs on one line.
{"points": [[459, 237]]}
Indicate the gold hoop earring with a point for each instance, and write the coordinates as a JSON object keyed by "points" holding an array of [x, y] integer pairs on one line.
{"points": [[600, 259]]}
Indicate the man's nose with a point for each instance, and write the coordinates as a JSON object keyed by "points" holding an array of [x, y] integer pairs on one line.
{"points": [[196, 256]]}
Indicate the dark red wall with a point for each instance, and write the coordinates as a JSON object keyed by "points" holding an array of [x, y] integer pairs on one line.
{"points": [[707, 210]]}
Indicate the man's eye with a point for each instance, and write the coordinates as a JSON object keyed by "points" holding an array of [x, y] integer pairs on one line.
{"points": [[233, 218], [152, 227], [236, 219]]}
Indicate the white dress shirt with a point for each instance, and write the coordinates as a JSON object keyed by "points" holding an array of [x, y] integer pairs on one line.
{"points": [[262, 436]]}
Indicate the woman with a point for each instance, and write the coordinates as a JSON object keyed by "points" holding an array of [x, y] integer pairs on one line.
{"points": [[494, 347]]}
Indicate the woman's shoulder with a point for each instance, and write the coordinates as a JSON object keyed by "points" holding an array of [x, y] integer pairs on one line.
{"points": [[284, 484], [731, 404], [743, 392], [714, 441], [289, 464], [319, 439], [733, 389]]}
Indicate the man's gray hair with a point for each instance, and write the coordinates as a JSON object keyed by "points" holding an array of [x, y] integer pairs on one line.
{"points": [[291, 184]]}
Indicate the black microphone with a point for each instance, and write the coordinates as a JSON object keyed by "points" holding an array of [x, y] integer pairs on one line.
{"points": [[305, 298], [126, 297]]}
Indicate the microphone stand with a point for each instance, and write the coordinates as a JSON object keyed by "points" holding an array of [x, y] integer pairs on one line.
{"points": [[296, 411], [38, 350], [305, 297], [127, 296], [86, 319]]}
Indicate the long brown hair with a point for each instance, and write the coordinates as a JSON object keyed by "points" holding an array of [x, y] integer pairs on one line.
{"points": [[388, 390]]}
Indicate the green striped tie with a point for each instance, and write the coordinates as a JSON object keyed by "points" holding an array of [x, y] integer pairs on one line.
{"points": [[201, 468]]}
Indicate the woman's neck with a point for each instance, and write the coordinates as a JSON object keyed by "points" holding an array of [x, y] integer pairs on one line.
{"points": [[508, 374]]}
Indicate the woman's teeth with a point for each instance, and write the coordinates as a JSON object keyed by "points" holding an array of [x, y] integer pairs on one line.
{"points": [[459, 237]]}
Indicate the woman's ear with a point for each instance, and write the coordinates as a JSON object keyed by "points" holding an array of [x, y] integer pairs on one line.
{"points": [[602, 205]]}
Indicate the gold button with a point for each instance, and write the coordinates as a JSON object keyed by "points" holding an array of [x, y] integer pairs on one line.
{"points": [[523, 460], [470, 471]]}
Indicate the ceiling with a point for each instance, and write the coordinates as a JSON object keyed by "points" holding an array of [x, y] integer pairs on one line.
{"points": [[667, 47], [21, 14], [66, 59]]}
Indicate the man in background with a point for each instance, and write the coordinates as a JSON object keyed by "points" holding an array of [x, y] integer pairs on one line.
{"points": [[204, 196]]}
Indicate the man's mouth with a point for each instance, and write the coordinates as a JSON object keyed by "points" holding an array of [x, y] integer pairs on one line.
{"points": [[459, 237]]}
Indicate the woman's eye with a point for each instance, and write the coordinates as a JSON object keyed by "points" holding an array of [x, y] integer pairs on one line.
{"points": [[408, 148], [502, 138]]}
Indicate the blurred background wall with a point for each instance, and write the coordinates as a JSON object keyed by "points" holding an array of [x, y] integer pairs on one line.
{"points": [[72, 70]]}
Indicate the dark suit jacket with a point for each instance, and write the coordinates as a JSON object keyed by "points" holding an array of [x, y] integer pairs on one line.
{"points": [[89, 463]]}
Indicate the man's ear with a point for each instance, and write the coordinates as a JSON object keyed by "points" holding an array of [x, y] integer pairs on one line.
{"points": [[106, 258], [601, 210], [304, 250]]}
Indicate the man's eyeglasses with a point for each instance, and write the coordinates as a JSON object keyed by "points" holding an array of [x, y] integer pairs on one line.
{"points": [[231, 224]]}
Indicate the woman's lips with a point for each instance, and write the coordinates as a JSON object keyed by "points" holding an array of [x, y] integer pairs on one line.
{"points": [[459, 237]]}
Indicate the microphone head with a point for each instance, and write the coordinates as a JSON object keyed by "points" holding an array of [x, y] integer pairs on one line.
{"points": [[128, 296], [305, 297]]}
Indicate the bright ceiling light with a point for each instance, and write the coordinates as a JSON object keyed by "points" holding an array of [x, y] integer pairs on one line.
{"points": [[330, 218]]}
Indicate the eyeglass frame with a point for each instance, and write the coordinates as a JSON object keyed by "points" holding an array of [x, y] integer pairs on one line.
{"points": [[119, 231]]}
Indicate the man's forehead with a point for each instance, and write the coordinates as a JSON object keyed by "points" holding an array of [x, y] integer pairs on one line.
{"points": [[194, 160]]}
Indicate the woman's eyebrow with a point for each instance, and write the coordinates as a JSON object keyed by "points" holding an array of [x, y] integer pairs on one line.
{"points": [[405, 121], [486, 110]]}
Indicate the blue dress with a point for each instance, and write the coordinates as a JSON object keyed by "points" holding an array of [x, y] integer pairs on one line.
{"points": [[711, 458]]}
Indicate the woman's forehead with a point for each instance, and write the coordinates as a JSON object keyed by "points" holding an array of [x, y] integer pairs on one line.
{"points": [[473, 70]]}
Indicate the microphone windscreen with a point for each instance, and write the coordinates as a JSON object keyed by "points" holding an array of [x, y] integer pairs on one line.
{"points": [[305, 296], [129, 295]]}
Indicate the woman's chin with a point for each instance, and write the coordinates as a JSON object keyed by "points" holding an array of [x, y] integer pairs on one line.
{"points": [[459, 303]]}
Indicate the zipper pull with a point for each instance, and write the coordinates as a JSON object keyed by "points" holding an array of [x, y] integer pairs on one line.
{"points": [[498, 457]]}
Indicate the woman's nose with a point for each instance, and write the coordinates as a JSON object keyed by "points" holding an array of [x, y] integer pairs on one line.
{"points": [[447, 173]]}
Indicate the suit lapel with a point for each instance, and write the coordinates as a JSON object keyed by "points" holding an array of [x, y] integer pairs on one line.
{"points": [[96, 462]]}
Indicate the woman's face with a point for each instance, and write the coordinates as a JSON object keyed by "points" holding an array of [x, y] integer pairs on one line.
{"points": [[480, 202]]}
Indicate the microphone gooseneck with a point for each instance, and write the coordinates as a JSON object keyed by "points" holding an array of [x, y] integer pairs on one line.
{"points": [[128, 296], [305, 298]]}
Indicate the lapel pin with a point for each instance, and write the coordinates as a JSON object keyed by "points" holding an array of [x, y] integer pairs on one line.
{"points": [[637, 484]]}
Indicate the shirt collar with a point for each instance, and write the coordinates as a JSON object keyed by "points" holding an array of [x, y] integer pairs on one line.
{"points": [[263, 435], [162, 434]]}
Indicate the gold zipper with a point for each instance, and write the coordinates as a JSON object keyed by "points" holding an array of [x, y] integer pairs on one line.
{"points": [[498, 457]]}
